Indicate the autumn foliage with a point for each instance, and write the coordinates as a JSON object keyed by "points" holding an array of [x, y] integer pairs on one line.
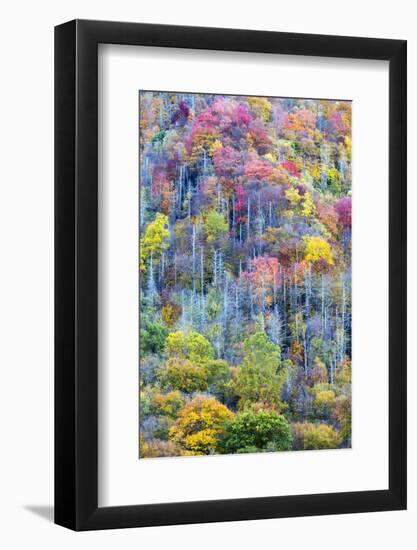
{"points": [[245, 215]]}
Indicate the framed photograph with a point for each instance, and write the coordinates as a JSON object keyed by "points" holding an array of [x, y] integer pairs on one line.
{"points": [[230, 248]]}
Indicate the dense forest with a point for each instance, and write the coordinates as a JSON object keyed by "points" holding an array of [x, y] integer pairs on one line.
{"points": [[245, 274]]}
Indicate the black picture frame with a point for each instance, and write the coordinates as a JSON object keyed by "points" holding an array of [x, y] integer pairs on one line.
{"points": [[76, 272]]}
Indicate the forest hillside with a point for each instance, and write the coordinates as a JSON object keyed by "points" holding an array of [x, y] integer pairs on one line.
{"points": [[245, 274]]}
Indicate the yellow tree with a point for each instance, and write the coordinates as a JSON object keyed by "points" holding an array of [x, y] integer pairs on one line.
{"points": [[199, 425], [155, 240], [317, 249]]}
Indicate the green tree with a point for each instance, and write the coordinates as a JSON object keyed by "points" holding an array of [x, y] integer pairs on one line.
{"points": [[158, 137], [183, 375], [189, 345], [216, 225], [152, 338], [253, 431], [259, 379], [219, 376]]}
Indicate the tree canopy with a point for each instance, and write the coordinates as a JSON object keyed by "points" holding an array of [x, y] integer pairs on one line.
{"points": [[245, 214]]}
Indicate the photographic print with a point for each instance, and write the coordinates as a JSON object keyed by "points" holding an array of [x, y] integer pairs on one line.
{"points": [[244, 274]]}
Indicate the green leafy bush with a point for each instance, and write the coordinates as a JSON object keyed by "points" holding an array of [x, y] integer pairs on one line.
{"points": [[262, 430]]}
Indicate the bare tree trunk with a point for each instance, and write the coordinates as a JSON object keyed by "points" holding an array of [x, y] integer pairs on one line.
{"points": [[342, 336], [193, 252], [248, 221], [323, 320]]}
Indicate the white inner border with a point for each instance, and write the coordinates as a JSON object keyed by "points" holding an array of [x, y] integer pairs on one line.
{"points": [[123, 479]]}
